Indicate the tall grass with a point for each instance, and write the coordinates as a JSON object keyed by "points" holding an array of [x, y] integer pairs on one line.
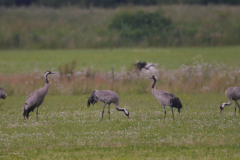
{"points": [[70, 27], [199, 77]]}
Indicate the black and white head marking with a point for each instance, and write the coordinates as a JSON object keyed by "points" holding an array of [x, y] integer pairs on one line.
{"points": [[126, 111], [222, 106], [47, 73], [153, 77]]}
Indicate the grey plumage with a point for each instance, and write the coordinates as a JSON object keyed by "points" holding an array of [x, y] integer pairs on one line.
{"points": [[232, 93], [107, 97], [166, 98], [3, 95], [35, 99]]}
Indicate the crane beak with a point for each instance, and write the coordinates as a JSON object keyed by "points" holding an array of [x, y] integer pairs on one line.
{"points": [[128, 116]]}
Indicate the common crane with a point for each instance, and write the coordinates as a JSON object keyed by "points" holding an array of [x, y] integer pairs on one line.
{"points": [[166, 98], [107, 97], [3, 95], [232, 93], [35, 99]]}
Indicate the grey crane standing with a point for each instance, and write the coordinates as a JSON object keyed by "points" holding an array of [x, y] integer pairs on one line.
{"points": [[232, 93], [107, 97], [3, 95], [36, 98], [166, 98]]}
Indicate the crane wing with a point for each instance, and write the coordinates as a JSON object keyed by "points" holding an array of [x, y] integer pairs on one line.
{"points": [[31, 99], [165, 98]]}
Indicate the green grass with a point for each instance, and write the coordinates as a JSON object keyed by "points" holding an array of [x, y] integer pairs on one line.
{"points": [[22, 61], [67, 129]]}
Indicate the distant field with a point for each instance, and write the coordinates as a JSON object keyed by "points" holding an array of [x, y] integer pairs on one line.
{"points": [[78, 28], [23, 61], [67, 129]]}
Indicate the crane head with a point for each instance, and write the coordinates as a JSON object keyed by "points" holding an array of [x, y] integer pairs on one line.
{"points": [[154, 77], [25, 114], [126, 112], [221, 108], [49, 72]]}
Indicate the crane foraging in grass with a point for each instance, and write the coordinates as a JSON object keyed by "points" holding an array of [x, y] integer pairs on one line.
{"points": [[3, 95], [107, 97], [165, 98], [232, 93], [35, 99]]}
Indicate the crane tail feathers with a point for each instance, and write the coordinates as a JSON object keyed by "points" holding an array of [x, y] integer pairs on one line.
{"points": [[176, 103]]}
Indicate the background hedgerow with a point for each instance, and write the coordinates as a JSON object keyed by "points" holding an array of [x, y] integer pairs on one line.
{"points": [[74, 28]]}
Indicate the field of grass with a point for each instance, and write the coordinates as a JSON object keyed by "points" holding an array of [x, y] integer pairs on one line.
{"points": [[67, 129], [24, 61]]}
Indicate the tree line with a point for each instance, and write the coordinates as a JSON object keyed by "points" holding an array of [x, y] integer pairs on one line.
{"points": [[109, 3]]}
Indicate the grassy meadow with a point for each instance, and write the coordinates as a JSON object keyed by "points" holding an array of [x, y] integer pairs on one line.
{"points": [[67, 129]]}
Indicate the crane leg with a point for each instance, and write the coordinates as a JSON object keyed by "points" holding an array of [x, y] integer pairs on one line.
{"points": [[37, 114], [103, 110], [164, 112], [172, 112], [235, 109], [238, 107], [109, 111]]}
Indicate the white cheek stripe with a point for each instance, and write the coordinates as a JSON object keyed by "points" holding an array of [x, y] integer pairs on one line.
{"points": [[223, 105]]}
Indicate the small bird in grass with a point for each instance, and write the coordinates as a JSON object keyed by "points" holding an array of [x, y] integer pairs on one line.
{"points": [[107, 97], [3, 95], [232, 93], [165, 98], [35, 99]]}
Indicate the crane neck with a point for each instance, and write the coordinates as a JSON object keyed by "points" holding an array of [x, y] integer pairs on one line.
{"points": [[227, 104], [154, 83], [119, 109], [47, 82], [45, 88]]}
